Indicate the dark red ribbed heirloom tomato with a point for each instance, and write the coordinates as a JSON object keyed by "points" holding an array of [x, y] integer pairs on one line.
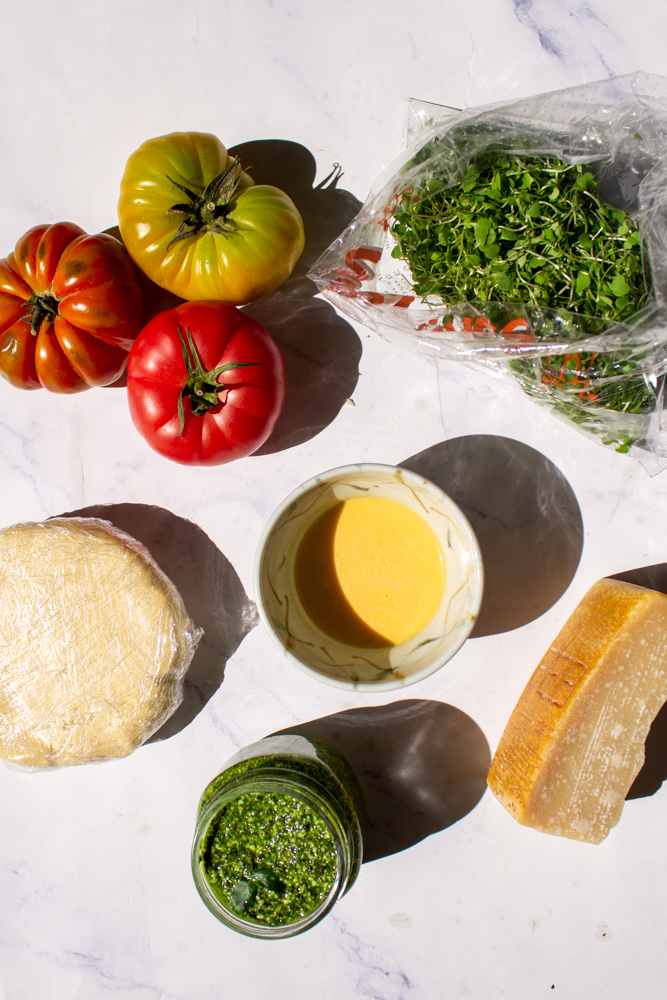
{"points": [[205, 383], [70, 307]]}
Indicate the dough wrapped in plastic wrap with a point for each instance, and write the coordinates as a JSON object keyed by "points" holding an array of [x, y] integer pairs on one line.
{"points": [[94, 643]]}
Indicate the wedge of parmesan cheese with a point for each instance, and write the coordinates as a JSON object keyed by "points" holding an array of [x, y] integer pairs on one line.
{"points": [[94, 643], [575, 741]]}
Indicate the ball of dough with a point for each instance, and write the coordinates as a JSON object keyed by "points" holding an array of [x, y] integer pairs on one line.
{"points": [[94, 643]]}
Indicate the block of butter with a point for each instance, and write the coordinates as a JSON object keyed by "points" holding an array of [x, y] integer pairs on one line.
{"points": [[575, 740]]}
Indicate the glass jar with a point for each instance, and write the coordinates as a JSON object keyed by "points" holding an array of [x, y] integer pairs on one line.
{"points": [[279, 836]]}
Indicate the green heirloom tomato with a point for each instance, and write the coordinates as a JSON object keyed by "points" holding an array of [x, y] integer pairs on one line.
{"points": [[198, 226]]}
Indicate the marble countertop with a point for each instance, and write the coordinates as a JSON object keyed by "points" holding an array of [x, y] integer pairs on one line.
{"points": [[455, 899]]}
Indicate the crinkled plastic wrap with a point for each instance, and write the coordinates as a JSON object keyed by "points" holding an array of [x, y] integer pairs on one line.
{"points": [[94, 643], [619, 128]]}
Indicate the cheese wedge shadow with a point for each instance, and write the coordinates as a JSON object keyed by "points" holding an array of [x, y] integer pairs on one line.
{"points": [[574, 743]]}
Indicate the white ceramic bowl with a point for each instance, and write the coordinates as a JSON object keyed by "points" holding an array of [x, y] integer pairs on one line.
{"points": [[389, 666]]}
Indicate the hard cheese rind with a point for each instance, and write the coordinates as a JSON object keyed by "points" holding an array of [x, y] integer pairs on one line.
{"points": [[94, 643], [575, 741]]}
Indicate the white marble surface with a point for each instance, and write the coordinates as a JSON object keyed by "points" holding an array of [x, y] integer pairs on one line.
{"points": [[96, 898]]}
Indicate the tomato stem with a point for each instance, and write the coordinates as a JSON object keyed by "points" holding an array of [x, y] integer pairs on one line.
{"points": [[207, 210], [39, 308], [201, 388]]}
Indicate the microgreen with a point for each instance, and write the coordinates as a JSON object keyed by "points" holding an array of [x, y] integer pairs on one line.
{"points": [[576, 384], [535, 231], [519, 229]]}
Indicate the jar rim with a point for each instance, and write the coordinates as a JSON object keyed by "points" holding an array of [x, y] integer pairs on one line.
{"points": [[285, 782]]}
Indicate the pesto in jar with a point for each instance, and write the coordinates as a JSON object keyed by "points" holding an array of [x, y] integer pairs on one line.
{"points": [[279, 836], [270, 858]]}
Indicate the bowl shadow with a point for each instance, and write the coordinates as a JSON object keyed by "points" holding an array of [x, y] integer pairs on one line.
{"points": [[526, 518]]}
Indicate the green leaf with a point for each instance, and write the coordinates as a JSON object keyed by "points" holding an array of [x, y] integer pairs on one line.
{"points": [[470, 178], [482, 229], [269, 880], [242, 896], [619, 286], [582, 283], [449, 238]]}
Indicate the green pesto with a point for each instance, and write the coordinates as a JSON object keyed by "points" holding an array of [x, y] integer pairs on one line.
{"points": [[269, 858], [315, 758], [267, 855]]}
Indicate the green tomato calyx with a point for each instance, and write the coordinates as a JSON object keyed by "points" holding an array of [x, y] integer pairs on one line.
{"points": [[207, 210], [202, 388], [40, 308]]}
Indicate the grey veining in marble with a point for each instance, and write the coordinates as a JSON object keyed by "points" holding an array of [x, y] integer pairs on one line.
{"points": [[456, 900]]}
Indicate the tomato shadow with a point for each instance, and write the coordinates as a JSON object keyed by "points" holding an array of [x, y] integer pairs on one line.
{"points": [[526, 518], [654, 769], [211, 590], [421, 764], [322, 351]]}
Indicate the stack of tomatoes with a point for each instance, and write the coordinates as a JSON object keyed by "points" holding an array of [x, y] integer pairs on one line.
{"points": [[205, 382]]}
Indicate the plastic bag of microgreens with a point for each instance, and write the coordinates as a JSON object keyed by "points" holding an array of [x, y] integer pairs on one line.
{"points": [[529, 239]]}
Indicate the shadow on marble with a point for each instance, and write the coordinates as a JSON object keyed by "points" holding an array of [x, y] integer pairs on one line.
{"points": [[654, 769], [526, 518], [422, 766], [322, 351], [325, 208], [209, 586], [322, 354]]}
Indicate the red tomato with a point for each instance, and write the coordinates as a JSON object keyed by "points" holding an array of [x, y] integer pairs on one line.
{"points": [[205, 383], [70, 308]]}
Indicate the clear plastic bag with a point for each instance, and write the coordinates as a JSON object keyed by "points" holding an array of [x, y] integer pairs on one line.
{"points": [[602, 373]]}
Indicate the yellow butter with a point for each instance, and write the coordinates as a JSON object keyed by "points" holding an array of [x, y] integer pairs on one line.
{"points": [[575, 741], [370, 572]]}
